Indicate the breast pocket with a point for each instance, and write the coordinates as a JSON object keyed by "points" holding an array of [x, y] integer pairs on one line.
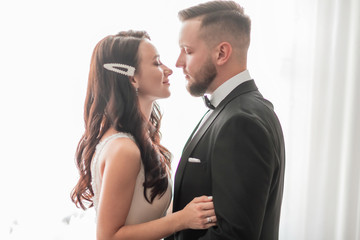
{"points": [[197, 177]]}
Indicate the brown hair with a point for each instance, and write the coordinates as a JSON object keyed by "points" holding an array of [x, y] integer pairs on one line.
{"points": [[111, 101], [221, 19]]}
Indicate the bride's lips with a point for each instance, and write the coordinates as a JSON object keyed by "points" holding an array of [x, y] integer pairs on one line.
{"points": [[166, 82]]}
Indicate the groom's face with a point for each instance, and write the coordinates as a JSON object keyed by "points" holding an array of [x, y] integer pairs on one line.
{"points": [[195, 59]]}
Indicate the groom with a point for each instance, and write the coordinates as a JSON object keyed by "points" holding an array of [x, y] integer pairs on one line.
{"points": [[236, 154]]}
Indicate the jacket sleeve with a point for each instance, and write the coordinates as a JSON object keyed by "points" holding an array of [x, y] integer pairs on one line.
{"points": [[242, 166]]}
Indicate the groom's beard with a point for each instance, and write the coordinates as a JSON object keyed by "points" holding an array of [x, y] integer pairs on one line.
{"points": [[202, 79]]}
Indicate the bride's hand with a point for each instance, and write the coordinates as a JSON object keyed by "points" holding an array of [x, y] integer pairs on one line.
{"points": [[199, 213]]}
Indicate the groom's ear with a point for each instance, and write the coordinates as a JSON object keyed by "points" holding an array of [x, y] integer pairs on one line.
{"points": [[223, 53]]}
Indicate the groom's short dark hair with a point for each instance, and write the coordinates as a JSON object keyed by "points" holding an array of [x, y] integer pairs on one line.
{"points": [[221, 18]]}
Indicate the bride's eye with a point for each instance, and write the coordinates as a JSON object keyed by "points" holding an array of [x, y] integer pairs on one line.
{"points": [[158, 62]]}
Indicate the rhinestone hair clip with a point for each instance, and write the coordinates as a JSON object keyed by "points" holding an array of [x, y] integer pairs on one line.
{"points": [[129, 70]]}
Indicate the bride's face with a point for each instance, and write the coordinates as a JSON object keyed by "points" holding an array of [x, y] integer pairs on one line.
{"points": [[151, 75]]}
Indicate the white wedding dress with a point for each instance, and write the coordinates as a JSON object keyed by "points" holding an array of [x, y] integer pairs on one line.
{"points": [[140, 211]]}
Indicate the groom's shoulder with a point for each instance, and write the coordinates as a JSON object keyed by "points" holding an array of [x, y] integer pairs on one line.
{"points": [[244, 102], [249, 105]]}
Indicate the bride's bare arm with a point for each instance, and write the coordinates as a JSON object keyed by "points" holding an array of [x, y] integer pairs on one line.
{"points": [[121, 166]]}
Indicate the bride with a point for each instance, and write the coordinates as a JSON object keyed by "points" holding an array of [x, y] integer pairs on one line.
{"points": [[124, 170]]}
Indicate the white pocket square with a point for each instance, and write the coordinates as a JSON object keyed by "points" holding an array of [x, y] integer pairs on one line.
{"points": [[194, 160]]}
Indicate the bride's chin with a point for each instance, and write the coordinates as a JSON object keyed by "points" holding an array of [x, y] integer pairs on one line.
{"points": [[168, 95]]}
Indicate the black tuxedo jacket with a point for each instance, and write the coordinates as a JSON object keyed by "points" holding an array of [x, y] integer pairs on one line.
{"points": [[242, 158]]}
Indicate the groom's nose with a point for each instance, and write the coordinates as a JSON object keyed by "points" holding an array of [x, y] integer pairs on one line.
{"points": [[180, 63]]}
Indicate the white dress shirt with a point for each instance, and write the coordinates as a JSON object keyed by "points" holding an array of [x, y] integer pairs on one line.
{"points": [[223, 90]]}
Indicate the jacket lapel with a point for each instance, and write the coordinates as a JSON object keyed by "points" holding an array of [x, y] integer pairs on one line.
{"points": [[193, 132], [191, 144]]}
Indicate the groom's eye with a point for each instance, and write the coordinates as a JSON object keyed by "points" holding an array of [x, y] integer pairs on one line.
{"points": [[187, 51]]}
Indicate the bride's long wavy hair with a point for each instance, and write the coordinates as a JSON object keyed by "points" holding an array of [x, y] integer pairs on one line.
{"points": [[111, 101]]}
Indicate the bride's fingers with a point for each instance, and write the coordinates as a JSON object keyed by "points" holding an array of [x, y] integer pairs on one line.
{"points": [[202, 199], [207, 206], [209, 213]]}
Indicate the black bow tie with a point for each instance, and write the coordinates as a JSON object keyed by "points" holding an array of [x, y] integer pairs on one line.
{"points": [[208, 103]]}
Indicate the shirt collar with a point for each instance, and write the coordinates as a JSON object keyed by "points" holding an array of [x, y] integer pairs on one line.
{"points": [[224, 89]]}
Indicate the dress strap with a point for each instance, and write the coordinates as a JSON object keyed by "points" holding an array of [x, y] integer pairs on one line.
{"points": [[102, 143], [116, 135]]}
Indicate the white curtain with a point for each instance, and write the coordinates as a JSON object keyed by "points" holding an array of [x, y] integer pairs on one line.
{"points": [[322, 192]]}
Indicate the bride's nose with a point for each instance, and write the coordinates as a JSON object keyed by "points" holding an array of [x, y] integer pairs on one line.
{"points": [[168, 71]]}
